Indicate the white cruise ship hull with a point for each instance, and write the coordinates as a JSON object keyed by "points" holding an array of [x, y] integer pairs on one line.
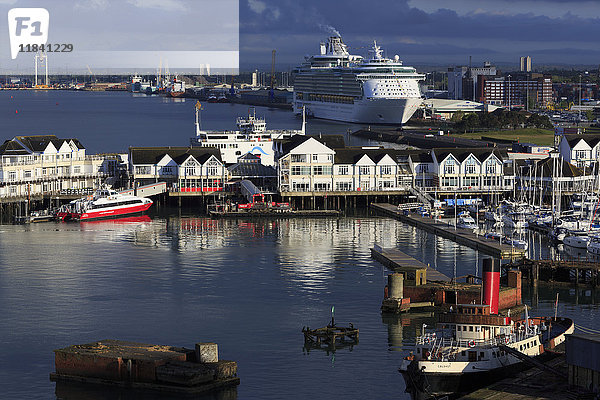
{"points": [[364, 111]]}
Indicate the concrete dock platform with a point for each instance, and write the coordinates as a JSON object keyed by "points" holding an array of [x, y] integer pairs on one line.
{"points": [[458, 235]]}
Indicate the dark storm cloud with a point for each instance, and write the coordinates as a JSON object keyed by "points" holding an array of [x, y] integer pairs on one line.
{"points": [[412, 31]]}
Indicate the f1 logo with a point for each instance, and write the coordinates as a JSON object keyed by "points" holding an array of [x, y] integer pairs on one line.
{"points": [[27, 26]]}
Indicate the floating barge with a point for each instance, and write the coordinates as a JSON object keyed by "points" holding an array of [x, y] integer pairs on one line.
{"points": [[330, 336], [145, 366]]}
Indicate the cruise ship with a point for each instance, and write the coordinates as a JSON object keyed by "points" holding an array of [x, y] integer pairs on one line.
{"points": [[252, 136], [340, 86]]}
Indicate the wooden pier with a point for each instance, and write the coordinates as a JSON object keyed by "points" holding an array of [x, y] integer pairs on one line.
{"points": [[274, 214], [458, 235], [402, 262], [575, 272]]}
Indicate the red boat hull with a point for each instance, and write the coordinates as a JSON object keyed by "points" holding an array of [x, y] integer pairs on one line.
{"points": [[112, 213]]}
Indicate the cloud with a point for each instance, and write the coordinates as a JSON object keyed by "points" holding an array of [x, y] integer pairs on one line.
{"points": [[91, 4], [9, 2], [257, 6], [167, 5]]}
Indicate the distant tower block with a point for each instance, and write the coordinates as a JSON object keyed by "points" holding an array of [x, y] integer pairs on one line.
{"points": [[41, 59], [526, 64]]}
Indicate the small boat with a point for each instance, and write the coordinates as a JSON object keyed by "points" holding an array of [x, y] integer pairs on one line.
{"points": [[491, 216], [593, 245], [578, 241], [558, 234], [514, 221], [516, 243], [104, 204], [493, 236], [466, 222]]}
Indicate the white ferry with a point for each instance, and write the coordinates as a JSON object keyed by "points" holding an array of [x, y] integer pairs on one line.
{"points": [[252, 137], [340, 86], [104, 204]]}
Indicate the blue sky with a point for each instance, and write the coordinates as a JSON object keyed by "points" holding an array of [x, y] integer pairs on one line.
{"points": [[425, 31]]}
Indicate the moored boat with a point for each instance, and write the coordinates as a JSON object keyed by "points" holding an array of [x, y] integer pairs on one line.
{"points": [[104, 204], [474, 345]]}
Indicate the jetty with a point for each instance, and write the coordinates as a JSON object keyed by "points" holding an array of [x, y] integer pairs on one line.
{"points": [[143, 366], [583, 272], [458, 235], [416, 285]]}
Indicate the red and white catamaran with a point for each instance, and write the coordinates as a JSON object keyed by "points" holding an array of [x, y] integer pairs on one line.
{"points": [[104, 204]]}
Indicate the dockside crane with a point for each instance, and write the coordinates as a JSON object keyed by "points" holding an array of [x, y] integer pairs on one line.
{"points": [[272, 89]]}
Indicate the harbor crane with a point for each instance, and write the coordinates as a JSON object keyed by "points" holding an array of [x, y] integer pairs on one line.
{"points": [[92, 76]]}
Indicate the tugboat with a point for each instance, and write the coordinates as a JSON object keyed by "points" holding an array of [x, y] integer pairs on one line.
{"points": [[474, 346]]}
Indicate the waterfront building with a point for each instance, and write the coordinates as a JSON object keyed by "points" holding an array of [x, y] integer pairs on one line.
{"points": [[445, 109], [47, 165], [582, 150], [474, 169], [319, 164], [552, 175], [185, 169]]}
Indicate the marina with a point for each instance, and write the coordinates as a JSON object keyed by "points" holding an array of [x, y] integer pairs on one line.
{"points": [[462, 236]]}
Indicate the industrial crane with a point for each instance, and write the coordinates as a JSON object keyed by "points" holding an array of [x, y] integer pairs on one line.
{"points": [[271, 90]]}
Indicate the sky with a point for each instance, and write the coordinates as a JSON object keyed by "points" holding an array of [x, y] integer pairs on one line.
{"points": [[424, 32], [95, 27]]}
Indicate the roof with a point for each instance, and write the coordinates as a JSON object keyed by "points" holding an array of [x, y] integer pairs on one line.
{"points": [[152, 155], [351, 155], [331, 141], [251, 170], [36, 144], [545, 168], [462, 154], [591, 139]]}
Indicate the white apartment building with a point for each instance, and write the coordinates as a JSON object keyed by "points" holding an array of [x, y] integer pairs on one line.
{"points": [[41, 165], [184, 169]]}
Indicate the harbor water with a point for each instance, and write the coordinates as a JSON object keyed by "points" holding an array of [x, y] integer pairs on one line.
{"points": [[250, 286]]}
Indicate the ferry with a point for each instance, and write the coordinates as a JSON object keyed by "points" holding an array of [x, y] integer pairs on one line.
{"points": [[340, 86], [251, 136], [473, 345], [104, 204]]}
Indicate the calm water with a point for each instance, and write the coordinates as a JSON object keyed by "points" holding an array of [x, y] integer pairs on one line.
{"points": [[113, 121], [249, 286]]}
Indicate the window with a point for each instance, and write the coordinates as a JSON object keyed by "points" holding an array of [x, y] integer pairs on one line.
{"points": [[300, 170], [298, 157], [343, 170], [315, 157], [580, 154], [386, 170], [12, 176], [423, 168], [145, 170], [364, 170], [471, 166], [27, 174], [190, 170], [490, 167], [167, 170], [449, 166], [77, 169], [343, 186], [322, 186], [212, 170]]}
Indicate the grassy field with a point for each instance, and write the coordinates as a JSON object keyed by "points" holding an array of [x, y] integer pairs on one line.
{"points": [[540, 137]]}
